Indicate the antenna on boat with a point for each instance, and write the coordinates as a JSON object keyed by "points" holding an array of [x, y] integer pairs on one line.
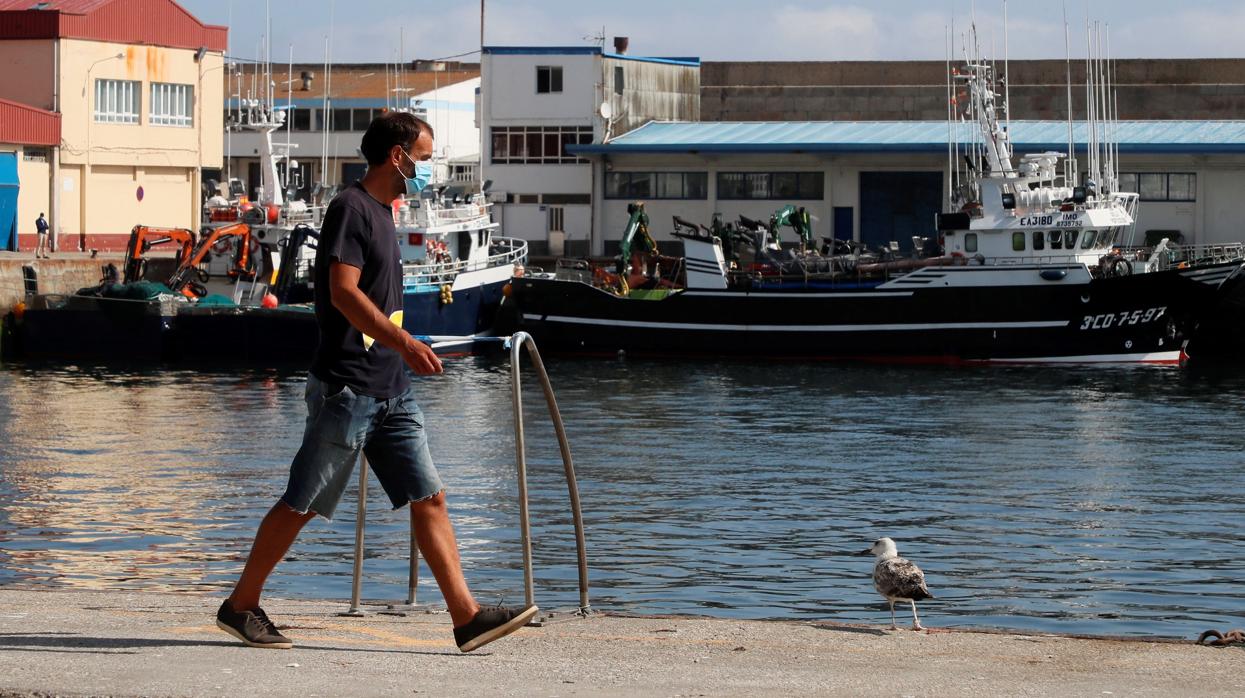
{"points": [[272, 98], [480, 162], [947, 42], [1070, 173], [289, 115], [325, 121], [1007, 77], [1115, 116]]}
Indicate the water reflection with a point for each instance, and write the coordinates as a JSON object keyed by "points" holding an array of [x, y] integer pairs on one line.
{"points": [[1074, 499]]}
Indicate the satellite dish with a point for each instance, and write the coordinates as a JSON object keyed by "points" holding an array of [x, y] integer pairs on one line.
{"points": [[605, 110]]}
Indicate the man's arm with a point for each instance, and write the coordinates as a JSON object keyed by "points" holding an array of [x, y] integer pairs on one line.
{"points": [[365, 317]]}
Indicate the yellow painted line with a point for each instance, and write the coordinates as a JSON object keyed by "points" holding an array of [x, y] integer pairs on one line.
{"points": [[663, 638], [192, 629], [378, 637], [387, 638]]}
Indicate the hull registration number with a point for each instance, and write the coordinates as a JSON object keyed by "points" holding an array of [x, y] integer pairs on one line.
{"points": [[1106, 321]]}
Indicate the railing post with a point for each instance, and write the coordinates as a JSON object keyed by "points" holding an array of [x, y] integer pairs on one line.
{"points": [[355, 610], [516, 343]]}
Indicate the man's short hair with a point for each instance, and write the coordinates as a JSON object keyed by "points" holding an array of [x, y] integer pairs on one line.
{"points": [[389, 129]]}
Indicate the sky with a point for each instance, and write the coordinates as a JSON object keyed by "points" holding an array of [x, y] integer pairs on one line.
{"points": [[722, 30]]}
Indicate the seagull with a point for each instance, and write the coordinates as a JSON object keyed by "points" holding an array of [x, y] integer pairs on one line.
{"points": [[897, 579]]}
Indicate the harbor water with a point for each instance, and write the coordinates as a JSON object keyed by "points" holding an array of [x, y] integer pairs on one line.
{"points": [[1065, 499]]}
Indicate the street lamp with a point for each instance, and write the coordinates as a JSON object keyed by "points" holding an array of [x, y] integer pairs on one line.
{"points": [[86, 170]]}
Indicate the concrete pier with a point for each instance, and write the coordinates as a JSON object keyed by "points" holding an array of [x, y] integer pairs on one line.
{"points": [[148, 644], [66, 272]]}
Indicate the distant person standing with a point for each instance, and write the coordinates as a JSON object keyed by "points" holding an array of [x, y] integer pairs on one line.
{"points": [[360, 399], [41, 227]]}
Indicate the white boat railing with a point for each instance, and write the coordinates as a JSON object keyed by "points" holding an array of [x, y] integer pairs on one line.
{"points": [[504, 251], [1167, 257], [1173, 254]]}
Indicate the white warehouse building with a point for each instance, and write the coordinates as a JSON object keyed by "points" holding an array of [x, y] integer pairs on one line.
{"points": [[536, 103], [877, 182]]}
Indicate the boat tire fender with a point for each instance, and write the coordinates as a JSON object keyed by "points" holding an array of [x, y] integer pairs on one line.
{"points": [[1118, 266]]}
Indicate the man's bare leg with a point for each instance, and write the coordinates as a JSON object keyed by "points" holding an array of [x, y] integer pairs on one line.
{"points": [[273, 539], [435, 535]]}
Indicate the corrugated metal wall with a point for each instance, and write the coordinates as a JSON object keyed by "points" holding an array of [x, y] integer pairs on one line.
{"points": [[651, 91], [149, 22], [23, 125]]}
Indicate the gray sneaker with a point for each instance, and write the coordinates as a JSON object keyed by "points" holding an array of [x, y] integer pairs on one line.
{"points": [[491, 623], [251, 627]]}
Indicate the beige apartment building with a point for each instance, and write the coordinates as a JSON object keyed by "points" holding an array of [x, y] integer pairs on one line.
{"points": [[137, 85]]}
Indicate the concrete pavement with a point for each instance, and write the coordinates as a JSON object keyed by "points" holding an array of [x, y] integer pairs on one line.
{"points": [[147, 644]]}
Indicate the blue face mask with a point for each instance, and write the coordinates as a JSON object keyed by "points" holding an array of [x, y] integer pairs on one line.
{"points": [[423, 175]]}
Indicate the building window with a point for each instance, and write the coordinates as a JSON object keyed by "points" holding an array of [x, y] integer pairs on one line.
{"points": [[619, 80], [548, 79], [1181, 187], [656, 185], [116, 101], [300, 119], [537, 145], [341, 120], [362, 119], [771, 185], [171, 104], [566, 198], [1160, 186]]}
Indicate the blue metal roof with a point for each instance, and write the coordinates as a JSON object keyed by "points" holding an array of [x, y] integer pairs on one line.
{"points": [[910, 137], [691, 61]]}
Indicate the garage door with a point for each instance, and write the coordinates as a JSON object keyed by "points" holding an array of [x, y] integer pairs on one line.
{"points": [[894, 206], [8, 201]]}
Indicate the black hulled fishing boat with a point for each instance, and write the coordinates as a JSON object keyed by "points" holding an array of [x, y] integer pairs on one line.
{"points": [[1030, 267]]}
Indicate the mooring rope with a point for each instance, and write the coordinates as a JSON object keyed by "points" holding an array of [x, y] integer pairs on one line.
{"points": [[1231, 637]]}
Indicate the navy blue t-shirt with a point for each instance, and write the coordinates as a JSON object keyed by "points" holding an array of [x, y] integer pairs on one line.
{"points": [[358, 230]]}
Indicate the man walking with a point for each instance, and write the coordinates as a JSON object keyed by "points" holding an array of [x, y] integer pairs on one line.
{"points": [[360, 399], [41, 227]]}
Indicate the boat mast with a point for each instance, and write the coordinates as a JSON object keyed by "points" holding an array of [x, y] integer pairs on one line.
{"points": [[289, 114], [1070, 174], [1007, 77], [947, 43]]}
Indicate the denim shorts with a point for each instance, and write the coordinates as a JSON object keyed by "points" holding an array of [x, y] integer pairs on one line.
{"points": [[340, 424]]}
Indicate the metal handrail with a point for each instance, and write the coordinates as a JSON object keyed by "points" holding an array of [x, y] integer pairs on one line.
{"points": [[515, 343], [436, 273]]}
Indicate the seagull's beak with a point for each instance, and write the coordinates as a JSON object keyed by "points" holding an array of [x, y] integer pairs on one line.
{"points": [[866, 551]]}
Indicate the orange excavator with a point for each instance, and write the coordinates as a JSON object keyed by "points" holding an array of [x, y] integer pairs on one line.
{"points": [[143, 238], [241, 268]]}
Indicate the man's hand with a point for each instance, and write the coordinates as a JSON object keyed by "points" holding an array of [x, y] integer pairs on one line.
{"points": [[420, 357], [363, 314]]}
